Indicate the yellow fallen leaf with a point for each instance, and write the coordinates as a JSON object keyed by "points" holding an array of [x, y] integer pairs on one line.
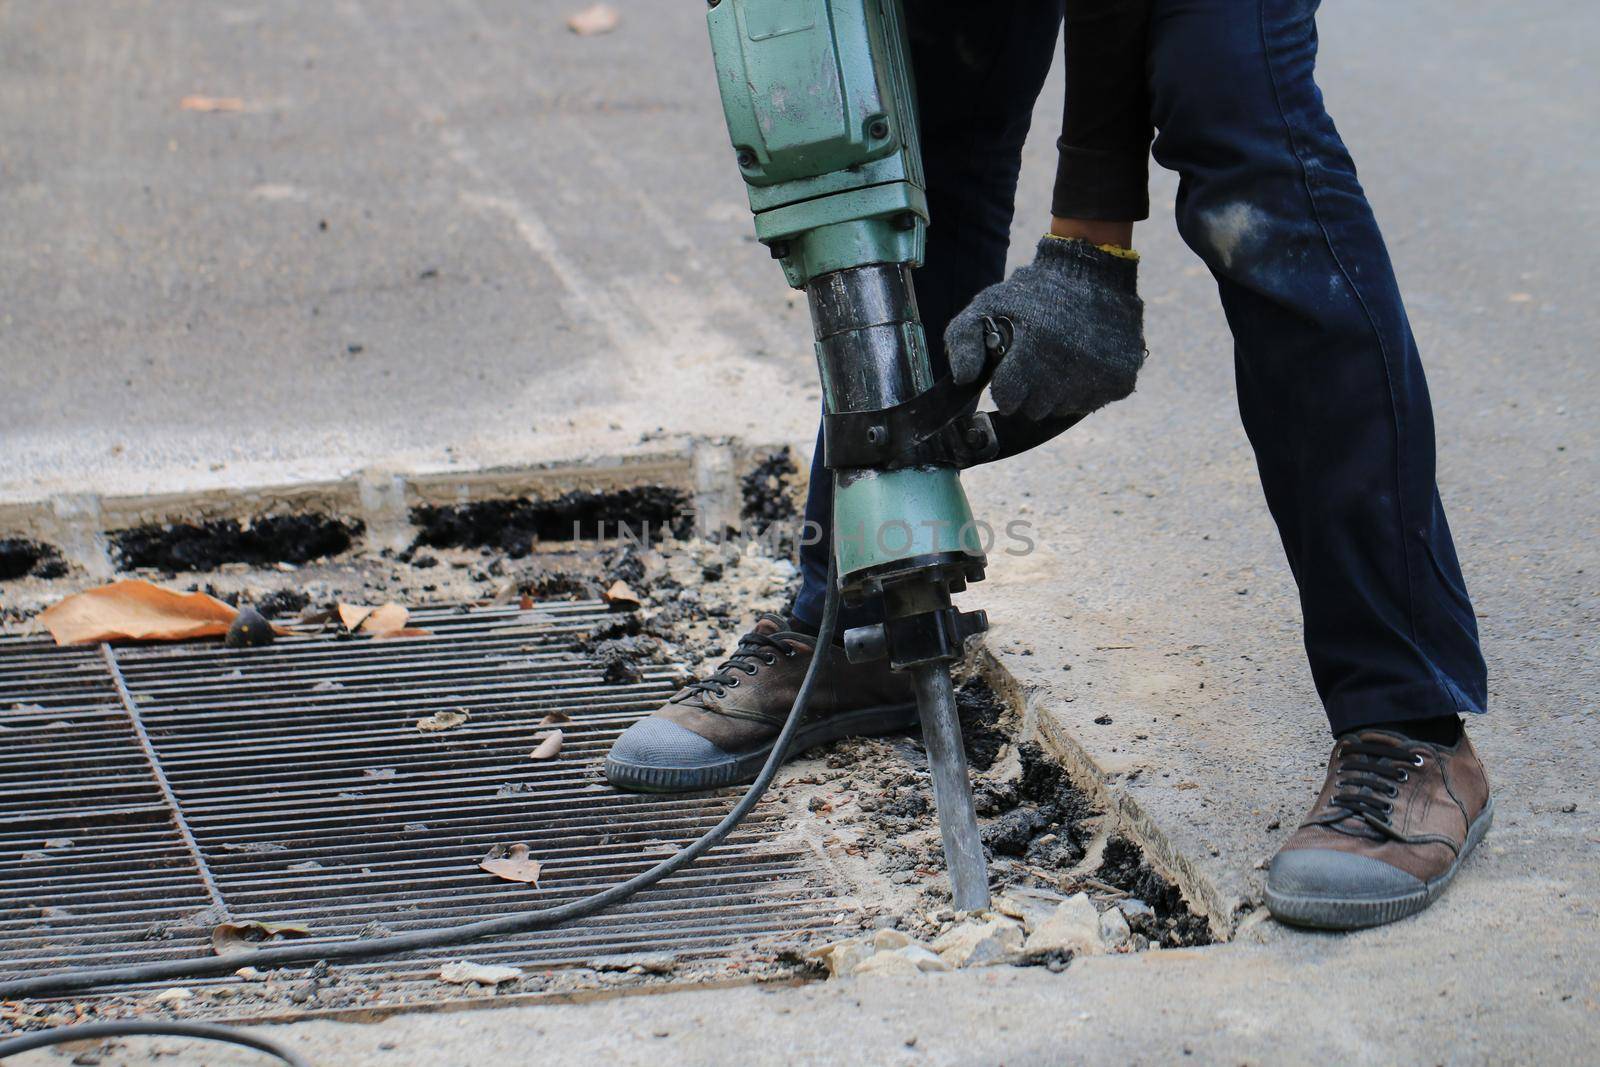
{"points": [[137, 611], [549, 747], [512, 863]]}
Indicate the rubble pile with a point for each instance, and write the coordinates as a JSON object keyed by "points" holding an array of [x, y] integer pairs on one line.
{"points": [[1026, 927]]}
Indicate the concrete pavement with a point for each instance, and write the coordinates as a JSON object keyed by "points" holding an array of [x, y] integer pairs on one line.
{"points": [[437, 236], [593, 268], [1305, 1000]]}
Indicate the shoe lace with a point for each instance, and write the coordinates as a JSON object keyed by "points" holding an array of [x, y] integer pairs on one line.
{"points": [[753, 650], [1370, 773]]}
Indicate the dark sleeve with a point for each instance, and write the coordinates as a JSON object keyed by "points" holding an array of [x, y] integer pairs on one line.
{"points": [[1104, 172]]}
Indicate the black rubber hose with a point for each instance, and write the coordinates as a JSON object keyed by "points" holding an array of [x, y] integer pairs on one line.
{"points": [[167, 970], [152, 1028]]}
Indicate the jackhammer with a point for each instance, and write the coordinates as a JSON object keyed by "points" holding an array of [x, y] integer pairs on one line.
{"points": [[821, 110]]}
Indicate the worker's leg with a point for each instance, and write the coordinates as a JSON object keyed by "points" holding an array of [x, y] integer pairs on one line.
{"points": [[979, 69], [1330, 384], [1333, 398]]}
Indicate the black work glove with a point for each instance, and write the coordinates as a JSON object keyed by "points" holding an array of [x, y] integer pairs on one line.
{"points": [[1077, 332]]}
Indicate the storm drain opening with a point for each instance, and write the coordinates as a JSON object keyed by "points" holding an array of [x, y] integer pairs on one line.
{"points": [[207, 546], [20, 558], [150, 794]]}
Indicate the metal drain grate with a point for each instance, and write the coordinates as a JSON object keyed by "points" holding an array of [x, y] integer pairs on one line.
{"points": [[140, 786]]}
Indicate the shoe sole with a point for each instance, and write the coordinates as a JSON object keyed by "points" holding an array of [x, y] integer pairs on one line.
{"points": [[1343, 913], [743, 767]]}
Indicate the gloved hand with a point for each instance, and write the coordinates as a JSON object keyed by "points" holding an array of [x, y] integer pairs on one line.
{"points": [[1077, 332]]}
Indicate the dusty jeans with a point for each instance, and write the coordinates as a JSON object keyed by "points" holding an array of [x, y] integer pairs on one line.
{"points": [[1330, 383]]}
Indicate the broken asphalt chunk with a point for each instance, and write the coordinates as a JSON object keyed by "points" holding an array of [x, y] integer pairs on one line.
{"points": [[249, 629], [1074, 927], [647, 963], [979, 943], [463, 972]]}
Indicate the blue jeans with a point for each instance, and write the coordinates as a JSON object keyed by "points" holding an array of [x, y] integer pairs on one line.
{"points": [[1330, 384]]}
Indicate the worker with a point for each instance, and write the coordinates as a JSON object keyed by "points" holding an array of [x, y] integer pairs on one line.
{"points": [[1330, 387]]}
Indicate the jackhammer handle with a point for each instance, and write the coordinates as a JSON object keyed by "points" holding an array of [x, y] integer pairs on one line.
{"points": [[939, 425], [1014, 433]]}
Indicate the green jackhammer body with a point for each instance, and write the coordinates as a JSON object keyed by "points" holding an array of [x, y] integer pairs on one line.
{"points": [[821, 113]]}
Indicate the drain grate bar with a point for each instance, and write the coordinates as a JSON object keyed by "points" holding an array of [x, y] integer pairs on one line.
{"points": [[174, 809], [146, 791]]}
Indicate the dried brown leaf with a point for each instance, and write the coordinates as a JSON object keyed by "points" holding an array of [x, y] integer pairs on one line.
{"points": [[594, 19], [555, 718], [620, 595], [196, 102], [136, 611], [243, 935], [549, 746], [443, 720], [386, 621], [353, 615], [512, 863]]}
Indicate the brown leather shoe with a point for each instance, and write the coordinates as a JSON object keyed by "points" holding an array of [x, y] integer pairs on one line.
{"points": [[719, 731], [1395, 820]]}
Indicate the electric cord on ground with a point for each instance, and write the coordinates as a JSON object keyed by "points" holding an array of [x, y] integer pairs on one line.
{"points": [[151, 1028], [540, 919]]}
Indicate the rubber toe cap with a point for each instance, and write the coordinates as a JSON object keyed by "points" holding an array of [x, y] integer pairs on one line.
{"points": [[659, 743], [1328, 874]]}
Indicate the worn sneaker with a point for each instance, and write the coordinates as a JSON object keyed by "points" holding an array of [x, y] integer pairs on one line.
{"points": [[1395, 821], [719, 731]]}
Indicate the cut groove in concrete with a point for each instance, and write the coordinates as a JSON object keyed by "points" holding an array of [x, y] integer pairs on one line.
{"points": [[380, 505], [1131, 820]]}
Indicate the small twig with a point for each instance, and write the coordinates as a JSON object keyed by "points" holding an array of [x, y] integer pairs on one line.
{"points": [[1104, 888]]}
